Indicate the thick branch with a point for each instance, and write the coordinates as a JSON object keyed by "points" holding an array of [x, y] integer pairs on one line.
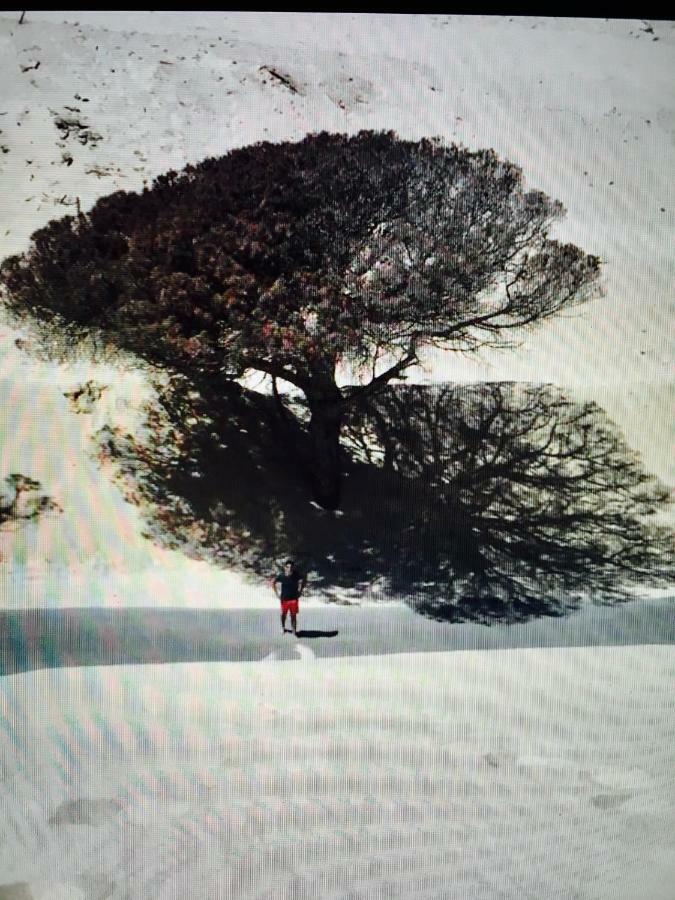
{"points": [[358, 394], [276, 370]]}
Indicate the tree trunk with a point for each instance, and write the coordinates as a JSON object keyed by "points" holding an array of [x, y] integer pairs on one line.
{"points": [[325, 469]]}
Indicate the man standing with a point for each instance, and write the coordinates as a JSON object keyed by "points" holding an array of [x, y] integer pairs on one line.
{"points": [[292, 584]]}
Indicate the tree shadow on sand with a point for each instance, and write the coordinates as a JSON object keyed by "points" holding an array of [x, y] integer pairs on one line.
{"points": [[486, 502]]}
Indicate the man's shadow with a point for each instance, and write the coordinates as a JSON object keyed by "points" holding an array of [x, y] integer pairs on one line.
{"points": [[310, 633]]}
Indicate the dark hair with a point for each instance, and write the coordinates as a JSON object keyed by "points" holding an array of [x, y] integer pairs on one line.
{"points": [[289, 562]]}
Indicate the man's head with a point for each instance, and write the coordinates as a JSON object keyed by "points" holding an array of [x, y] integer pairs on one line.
{"points": [[289, 565]]}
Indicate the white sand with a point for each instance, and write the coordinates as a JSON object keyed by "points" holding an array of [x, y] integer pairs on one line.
{"points": [[505, 774], [510, 774]]}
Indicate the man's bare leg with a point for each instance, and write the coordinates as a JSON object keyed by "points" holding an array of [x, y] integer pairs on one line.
{"points": [[294, 623], [283, 622]]}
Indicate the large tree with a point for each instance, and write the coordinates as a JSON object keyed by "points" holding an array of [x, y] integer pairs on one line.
{"points": [[294, 259]]}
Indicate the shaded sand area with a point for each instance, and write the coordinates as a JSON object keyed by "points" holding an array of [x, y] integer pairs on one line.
{"points": [[49, 638], [528, 773]]}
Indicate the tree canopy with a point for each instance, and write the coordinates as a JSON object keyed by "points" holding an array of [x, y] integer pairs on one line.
{"points": [[294, 258]]}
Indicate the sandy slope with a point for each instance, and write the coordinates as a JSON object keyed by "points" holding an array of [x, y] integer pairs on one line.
{"points": [[154, 90]]}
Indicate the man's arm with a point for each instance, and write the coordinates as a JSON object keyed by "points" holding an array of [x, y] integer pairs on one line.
{"points": [[273, 581]]}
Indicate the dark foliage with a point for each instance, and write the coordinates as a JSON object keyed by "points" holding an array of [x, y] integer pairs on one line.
{"points": [[20, 500], [295, 258], [497, 501]]}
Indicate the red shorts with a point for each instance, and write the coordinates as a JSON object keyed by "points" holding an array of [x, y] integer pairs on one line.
{"points": [[289, 606]]}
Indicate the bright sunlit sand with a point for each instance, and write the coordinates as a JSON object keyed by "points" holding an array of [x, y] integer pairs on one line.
{"points": [[522, 773]]}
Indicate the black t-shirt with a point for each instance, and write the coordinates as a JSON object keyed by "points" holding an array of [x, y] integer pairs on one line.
{"points": [[290, 585]]}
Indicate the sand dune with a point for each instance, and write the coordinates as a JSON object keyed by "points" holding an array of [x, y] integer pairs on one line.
{"points": [[536, 772]]}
